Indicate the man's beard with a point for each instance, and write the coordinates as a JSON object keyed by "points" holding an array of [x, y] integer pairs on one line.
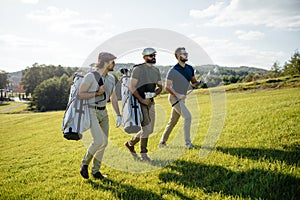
{"points": [[151, 61], [183, 59], [111, 68]]}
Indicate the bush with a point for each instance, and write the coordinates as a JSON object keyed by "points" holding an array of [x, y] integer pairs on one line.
{"points": [[52, 94]]}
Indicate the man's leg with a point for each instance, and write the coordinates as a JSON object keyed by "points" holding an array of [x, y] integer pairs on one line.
{"points": [[137, 137], [104, 124], [97, 138], [146, 131], [171, 124], [185, 113], [94, 146], [130, 144]]}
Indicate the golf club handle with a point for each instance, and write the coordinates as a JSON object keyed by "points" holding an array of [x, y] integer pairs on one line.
{"points": [[175, 103], [180, 99]]}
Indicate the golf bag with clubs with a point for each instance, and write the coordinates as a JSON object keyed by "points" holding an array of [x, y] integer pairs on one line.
{"points": [[76, 119], [131, 109]]}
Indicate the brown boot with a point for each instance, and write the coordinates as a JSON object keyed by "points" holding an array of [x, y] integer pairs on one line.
{"points": [[131, 149]]}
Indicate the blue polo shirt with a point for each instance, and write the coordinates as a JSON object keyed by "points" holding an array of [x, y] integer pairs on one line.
{"points": [[181, 77]]}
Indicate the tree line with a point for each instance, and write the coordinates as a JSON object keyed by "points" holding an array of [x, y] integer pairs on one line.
{"points": [[229, 75], [49, 85]]}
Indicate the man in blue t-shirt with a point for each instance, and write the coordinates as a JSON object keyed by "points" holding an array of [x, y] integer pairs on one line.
{"points": [[179, 79]]}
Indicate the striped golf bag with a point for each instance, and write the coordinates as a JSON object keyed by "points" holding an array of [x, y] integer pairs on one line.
{"points": [[131, 109], [76, 118]]}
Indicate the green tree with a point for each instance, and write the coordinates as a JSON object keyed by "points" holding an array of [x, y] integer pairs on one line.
{"points": [[31, 78], [249, 77], [3, 79], [35, 75], [46, 96], [52, 94], [292, 67], [276, 71], [276, 67], [65, 83]]}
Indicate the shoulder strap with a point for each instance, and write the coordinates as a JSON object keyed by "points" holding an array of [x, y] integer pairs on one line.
{"points": [[137, 65], [100, 83], [98, 78]]}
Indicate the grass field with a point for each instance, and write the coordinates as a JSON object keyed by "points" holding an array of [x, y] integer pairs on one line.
{"points": [[256, 157]]}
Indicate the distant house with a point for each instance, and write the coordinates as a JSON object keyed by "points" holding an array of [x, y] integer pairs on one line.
{"points": [[14, 80]]}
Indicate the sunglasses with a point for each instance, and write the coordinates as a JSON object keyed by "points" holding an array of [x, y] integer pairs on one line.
{"points": [[152, 56]]}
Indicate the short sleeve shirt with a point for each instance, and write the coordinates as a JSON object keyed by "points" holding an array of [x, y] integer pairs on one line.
{"points": [[109, 85], [147, 78], [181, 77]]}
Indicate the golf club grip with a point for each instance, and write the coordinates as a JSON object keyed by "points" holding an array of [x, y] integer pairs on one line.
{"points": [[180, 99], [175, 103]]}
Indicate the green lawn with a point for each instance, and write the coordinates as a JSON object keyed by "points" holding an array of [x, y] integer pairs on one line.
{"points": [[257, 155], [13, 107]]}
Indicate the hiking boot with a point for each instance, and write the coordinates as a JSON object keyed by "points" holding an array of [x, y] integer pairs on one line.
{"points": [[190, 146], [145, 158], [84, 171], [98, 175], [162, 145], [131, 149]]}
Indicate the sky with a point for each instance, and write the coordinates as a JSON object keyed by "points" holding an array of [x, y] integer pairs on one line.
{"points": [[233, 33]]}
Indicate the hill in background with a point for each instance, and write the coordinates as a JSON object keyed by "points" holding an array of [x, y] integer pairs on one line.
{"points": [[203, 70]]}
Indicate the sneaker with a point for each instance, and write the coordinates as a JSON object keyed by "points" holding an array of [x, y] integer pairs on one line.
{"points": [[98, 175], [145, 158], [162, 145], [190, 146], [131, 149], [84, 171]]}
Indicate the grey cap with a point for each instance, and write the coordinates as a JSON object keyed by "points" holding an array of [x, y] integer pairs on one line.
{"points": [[106, 57], [148, 51]]}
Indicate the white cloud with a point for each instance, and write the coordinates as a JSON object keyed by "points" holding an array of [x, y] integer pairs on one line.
{"points": [[271, 13], [52, 14], [30, 1], [22, 51], [227, 53], [69, 21], [10, 40], [26, 51], [250, 35], [211, 11]]}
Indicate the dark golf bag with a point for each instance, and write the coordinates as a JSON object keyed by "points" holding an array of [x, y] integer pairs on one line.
{"points": [[131, 109]]}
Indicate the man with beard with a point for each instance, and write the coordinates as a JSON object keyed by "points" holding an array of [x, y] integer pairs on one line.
{"points": [[145, 84], [97, 97], [178, 81]]}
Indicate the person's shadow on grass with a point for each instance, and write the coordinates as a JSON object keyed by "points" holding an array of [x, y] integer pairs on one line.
{"points": [[290, 156], [123, 191], [254, 183]]}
